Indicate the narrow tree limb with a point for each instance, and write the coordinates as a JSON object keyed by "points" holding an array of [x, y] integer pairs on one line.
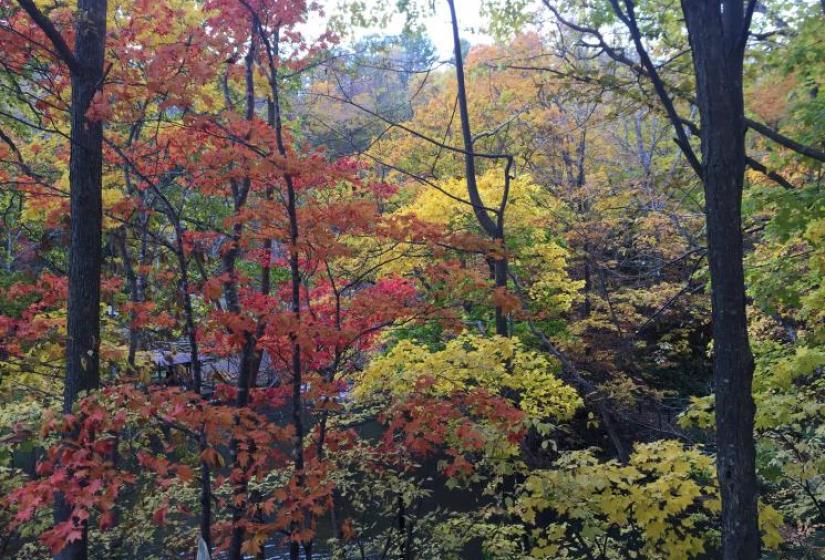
{"points": [[772, 175], [783, 140], [629, 20], [62, 49]]}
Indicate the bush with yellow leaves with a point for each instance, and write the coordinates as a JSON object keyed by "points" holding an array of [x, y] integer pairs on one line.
{"points": [[661, 504]]}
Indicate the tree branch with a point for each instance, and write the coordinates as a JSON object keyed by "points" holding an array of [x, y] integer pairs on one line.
{"points": [[62, 50], [783, 140]]}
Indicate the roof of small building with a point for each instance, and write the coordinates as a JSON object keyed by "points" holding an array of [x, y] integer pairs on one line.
{"points": [[170, 358]]}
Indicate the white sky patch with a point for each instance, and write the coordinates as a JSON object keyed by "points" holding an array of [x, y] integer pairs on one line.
{"points": [[437, 26]]}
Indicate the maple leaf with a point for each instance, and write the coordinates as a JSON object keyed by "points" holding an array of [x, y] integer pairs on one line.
{"points": [[185, 473], [159, 515], [99, 109]]}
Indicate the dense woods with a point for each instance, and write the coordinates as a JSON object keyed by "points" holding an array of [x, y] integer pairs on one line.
{"points": [[290, 279]]}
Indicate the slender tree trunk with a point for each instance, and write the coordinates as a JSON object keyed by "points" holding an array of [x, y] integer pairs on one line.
{"points": [[249, 361], [205, 522], [402, 530], [132, 283], [189, 314], [136, 280], [295, 306], [588, 282], [493, 228], [205, 498], [501, 282], [717, 40], [295, 283], [276, 121]]}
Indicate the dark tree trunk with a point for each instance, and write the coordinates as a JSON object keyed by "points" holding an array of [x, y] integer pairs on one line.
{"points": [[717, 38], [249, 356], [275, 120], [718, 32], [501, 282], [205, 521], [295, 307], [134, 296], [189, 314], [85, 172], [85, 250], [493, 228], [136, 280]]}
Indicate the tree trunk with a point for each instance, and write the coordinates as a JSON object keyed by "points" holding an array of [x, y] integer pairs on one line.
{"points": [[205, 521], [248, 367], [85, 250], [276, 121], [493, 228], [134, 296], [295, 307], [85, 173], [717, 40]]}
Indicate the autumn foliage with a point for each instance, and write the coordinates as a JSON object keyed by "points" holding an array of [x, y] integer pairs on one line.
{"points": [[309, 337]]}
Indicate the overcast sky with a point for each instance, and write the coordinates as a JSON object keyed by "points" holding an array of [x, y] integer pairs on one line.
{"points": [[437, 26], [469, 20]]}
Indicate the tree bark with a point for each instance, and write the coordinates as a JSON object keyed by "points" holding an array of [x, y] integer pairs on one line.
{"points": [[717, 38], [85, 179], [85, 250], [86, 210]]}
